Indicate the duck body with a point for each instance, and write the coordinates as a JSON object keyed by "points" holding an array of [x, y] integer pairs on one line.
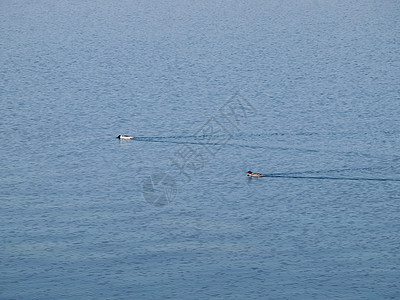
{"points": [[251, 174], [125, 137]]}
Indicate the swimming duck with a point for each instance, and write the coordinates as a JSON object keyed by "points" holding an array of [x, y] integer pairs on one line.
{"points": [[125, 137], [251, 174]]}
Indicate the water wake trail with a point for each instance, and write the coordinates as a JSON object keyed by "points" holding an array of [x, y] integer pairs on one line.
{"points": [[333, 178]]}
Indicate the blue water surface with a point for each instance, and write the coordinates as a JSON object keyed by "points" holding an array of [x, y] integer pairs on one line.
{"points": [[304, 91]]}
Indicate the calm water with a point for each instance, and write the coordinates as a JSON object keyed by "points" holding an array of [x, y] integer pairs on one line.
{"points": [[318, 109]]}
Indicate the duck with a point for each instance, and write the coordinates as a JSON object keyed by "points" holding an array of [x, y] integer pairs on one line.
{"points": [[251, 174], [125, 137]]}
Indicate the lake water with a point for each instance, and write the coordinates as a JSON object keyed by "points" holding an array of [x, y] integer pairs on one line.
{"points": [[304, 91]]}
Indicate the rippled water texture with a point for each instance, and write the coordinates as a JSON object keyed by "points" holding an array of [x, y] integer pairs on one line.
{"points": [[306, 92]]}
